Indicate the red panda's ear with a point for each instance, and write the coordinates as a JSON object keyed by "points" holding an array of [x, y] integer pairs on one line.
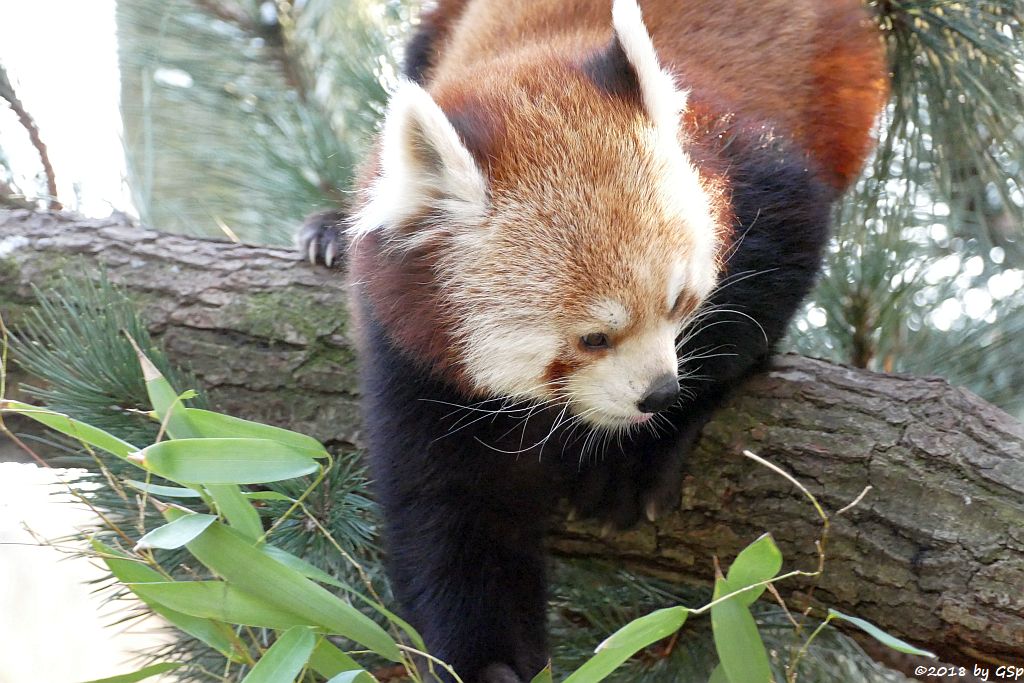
{"points": [[428, 181], [628, 67]]}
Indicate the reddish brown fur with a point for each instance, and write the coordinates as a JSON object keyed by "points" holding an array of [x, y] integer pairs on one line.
{"points": [[405, 301], [581, 216], [504, 70], [813, 69], [537, 143]]}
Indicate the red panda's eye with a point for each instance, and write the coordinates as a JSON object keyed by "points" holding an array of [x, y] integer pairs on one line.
{"points": [[595, 340]]}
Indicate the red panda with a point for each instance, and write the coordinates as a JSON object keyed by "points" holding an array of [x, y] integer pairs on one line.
{"points": [[584, 222]]}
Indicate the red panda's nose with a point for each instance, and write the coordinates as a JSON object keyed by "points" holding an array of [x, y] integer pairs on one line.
{"points": [[661, 395]]}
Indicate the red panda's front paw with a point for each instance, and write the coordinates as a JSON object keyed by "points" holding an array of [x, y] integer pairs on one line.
{"points": [[626, 486], [621, 493], [609, 492], [321, 239]]}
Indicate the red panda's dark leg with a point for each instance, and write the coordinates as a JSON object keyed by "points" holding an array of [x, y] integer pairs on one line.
{"points": [[464, 523], [469, 574]]}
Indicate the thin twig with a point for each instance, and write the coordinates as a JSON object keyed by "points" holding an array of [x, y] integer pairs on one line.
{"points": [[29, 124], [856, 500]]}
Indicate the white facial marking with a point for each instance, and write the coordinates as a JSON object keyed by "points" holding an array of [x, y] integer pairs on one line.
{"points": [[607, 391], [510, 369], [676, 283], [424, 167], [611, 314], [685, 201]]}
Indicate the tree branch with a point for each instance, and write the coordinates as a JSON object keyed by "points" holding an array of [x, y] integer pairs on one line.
{"points": [[29, 124], [934, 553]]}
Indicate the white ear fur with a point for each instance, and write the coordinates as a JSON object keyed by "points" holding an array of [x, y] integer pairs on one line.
{"points": [[663, 100], [424, 169]]}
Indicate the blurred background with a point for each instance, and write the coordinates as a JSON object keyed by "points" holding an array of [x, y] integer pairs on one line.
{"points": [[233, 119]]}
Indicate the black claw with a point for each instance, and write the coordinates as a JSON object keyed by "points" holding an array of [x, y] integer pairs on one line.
{"points": [[322, 239], [628, 486]]}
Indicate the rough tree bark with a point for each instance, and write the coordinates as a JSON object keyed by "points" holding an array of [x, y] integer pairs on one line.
{"points": [[934, 553]]}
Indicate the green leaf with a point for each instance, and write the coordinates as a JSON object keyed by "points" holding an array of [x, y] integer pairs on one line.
{"points": [[216, 635], [285, 658], [759, 561], [141, 674], [627, 641], [165, 491], [739, 645], [211, 425], [362, 676], [216, 600], [166, 402], [226, 461], [236, 509], [544, 676], [881, 636], [240, 563], [268, 495], [718, 675], [71, 427], [177, 533], [317, 574], [327, 660]]}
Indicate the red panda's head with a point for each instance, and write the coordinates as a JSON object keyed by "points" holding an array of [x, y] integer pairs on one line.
{"points": [[568, 235]]}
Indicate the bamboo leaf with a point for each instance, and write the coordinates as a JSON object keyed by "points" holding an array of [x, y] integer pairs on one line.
{"points": [[361, 676], [718, 675], [311, 572], [71, 427], [739, 645], [268, 495], [164, 491], [236, 509], [166, 402], [141, 674], [216, 600], [210, 424], [544, 676], [233, 557], [177, 533], [183, 424], [881, 636], [226, 461], [627, 641], [126, 570], [759, 561], [285, 658], [327, 660]]}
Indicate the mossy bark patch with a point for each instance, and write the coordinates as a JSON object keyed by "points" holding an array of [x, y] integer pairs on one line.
{"points": [[288, 316]]}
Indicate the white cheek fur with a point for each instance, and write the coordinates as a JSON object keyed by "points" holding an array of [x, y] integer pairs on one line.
{"points": [[502, 361], [605, 393]]}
